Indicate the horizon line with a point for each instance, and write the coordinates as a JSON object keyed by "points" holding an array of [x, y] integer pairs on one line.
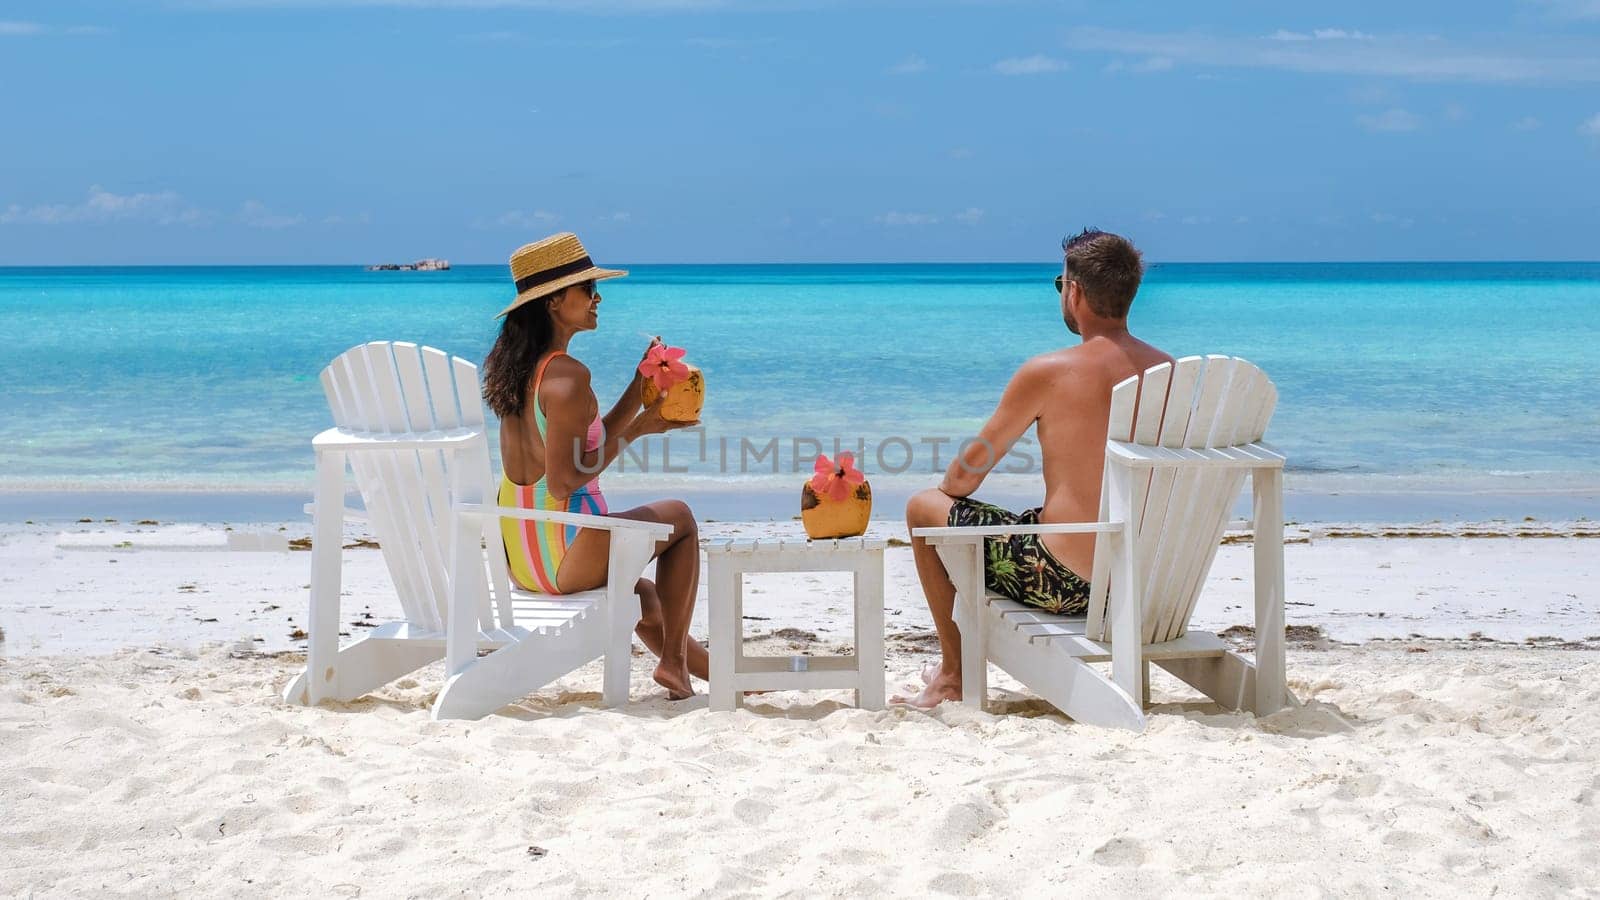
{"points": [[501, 264]]}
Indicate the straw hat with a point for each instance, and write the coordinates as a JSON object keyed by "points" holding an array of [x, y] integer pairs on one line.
{"points": [[555, 263]]}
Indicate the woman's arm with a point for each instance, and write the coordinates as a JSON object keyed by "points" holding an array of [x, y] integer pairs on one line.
{"points": [[627, 406], [569, 406]]}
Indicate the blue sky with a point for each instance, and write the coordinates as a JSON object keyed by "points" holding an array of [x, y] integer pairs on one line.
{"points": [[333, 131]]}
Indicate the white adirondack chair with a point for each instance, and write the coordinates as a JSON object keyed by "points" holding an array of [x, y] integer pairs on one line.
{"points": [[1179, 445], [416, 440]]}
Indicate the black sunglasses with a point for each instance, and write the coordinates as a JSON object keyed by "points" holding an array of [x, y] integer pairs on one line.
{"points": [[1058, 284], [591, 289]]}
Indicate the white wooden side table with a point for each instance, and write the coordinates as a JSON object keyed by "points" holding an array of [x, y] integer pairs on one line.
{"points": [[733, 673]]}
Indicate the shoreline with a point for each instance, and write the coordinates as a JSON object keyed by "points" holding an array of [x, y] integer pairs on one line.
{"points": [[101, 586], [766, 503]]}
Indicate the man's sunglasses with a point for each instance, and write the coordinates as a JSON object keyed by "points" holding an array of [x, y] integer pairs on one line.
{"points": [[1059, 284]]}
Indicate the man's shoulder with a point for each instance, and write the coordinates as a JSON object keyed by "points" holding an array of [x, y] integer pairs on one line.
{"points": [[1053, 364]]}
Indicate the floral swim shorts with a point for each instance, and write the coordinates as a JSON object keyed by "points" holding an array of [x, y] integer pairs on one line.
{"points": [[1019, 566]]}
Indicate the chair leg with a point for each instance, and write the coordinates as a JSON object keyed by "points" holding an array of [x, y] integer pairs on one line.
{"points": [[373, 662], [322, 646], [1271, 689], [964, 563], [1229, 680], [630, 553], [619, 653], [1144, 683], [726, 632]]}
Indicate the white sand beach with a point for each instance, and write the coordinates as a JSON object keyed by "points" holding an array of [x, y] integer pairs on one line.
{"points": [[1449, 744]]}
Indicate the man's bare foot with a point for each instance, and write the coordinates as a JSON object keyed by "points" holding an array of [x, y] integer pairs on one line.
{"points": [[676, 680], [929, 672], [943, 686]]}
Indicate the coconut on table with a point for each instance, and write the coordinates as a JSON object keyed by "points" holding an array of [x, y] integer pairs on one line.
{"points": [[837, 501]]}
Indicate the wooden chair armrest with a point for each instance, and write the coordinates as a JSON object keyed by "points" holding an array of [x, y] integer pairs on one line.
{"points": [[659, 530], [347, 439], [351, 514], [960, 534]]}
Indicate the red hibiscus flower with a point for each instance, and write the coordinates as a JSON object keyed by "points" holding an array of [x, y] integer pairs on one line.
{"points": [[664, 365], [835, 481]]}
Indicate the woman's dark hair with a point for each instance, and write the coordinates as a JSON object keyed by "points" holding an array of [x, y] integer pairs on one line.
{"points": [[524, 337]]}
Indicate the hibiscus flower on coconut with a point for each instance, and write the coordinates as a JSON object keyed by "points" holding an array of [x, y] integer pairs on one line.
{"points": [[667, 375], [837, 501]]}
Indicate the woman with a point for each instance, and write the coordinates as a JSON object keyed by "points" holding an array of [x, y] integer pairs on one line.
{"points": [[553, 444]]}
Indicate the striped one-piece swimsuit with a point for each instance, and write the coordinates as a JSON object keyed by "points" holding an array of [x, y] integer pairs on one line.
{"points": [[534, 549]]}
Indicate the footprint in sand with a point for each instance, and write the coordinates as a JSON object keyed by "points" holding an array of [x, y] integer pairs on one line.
{"points": [[1120, 852], [956, 884], [751, 812]]}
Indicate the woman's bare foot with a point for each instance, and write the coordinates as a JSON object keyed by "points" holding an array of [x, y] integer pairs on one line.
{"points": [[676, 680], [929, 672], [941, 686]]}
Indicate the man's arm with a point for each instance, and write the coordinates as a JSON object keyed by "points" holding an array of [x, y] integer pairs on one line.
{"points": [[1019, 407]]}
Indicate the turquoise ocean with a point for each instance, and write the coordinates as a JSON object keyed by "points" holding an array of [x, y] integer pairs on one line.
{"points": [[1422, 387]]}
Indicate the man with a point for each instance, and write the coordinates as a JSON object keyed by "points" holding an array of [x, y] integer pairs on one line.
{"points": [[1068, 393]]}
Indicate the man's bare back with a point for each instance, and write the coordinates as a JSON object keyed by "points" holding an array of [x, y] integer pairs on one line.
{"points": [[1075, 386], [1067, 396]]}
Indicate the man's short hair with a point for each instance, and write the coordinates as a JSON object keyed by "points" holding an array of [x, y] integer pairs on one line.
{"points": [[1107, 267]]}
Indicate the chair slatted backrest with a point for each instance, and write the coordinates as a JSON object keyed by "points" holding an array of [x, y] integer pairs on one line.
{"points": [[1179, 513], [398, 388]]}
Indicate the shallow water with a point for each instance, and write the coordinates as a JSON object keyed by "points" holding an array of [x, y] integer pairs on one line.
{"points": [[1392, 377]]}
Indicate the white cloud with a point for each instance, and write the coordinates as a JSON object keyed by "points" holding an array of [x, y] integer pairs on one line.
{"points": [[1038, 64], [1371, 95], [1390, 120], [961, 153], [1142, 67], [255, 214], [725, 43], [364, 218], [594, 6], [102, 207], [1591, 127], [1319, 34], [1571, 9], [969, 216], [1383, 218], [1339, 34], [897, 219], [911, 65], [618, 217], [1455, 112], [1526, 123], [1418, 58], [517, 218], [34, 29]]}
